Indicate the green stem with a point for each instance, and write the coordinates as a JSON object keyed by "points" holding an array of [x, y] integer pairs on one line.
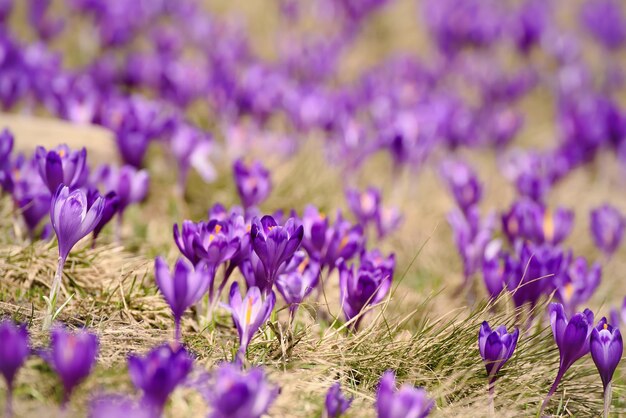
{"points": [[608, 392], [52, 299]]}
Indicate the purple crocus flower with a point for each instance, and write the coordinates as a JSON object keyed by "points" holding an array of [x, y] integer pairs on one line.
{"points": [[388, 220], [462, 182], [365, 205], [530, 220], [239, 394], [336, 403], [606, 348], [296, 285], [253, 182], [607, 228], [72, 219], [183, 287], [158, 374], [408, 401], [578, 284], [72, 355], [192, 148], [13, 352], [618, 316], [6, 149], [606, 21], [249, 313], [212, 242], [132, 146], [496, 348], [130, 185], [361, 287], [62, 166], [111, 205], [274, 244], [571, 337]]}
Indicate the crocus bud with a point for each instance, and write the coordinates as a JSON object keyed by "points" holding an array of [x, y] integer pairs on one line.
{"points": [[237, 394], [607, 228], [72, 218], [62, 166], [296, 285], [13, 350], [130, 185], [496, 347], [249, 313], [158, 374], [72, 355], [111, 205], [183, 287], [606, 350], [408, 401], [365, 205], [336, 403], [253, 182]]}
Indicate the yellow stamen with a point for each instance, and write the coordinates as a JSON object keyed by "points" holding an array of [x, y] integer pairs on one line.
{"points": [[569, 291], [303, 265], [62, 153], [211, 238], [548, 225], [218, 229], [343, 243], [249, 311], [605, 326]]}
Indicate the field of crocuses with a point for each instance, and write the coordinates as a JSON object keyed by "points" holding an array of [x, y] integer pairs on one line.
{"points": [[330, 208]]}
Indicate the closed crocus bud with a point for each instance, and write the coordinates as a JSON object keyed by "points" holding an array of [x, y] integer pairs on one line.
{"points": [[182, 287], [238, 394], [72, 218], [607, 228], [158, 374], [408, 401], [253, 182], [249, 313], [496, 347], [344, 241], [130, 185], [14, 350], [571, 337], [275, 244], [132, 145], [62, 166], [72, 355], [296, 285], [360, 288], [336, 403], [606, 350]]}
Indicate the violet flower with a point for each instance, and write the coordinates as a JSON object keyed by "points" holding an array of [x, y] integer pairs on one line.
{"points": [[296, 285], [618, 317], [607, 228], [571, 337], [360, 288], [253, 182], [249, 313], [365, 205], [238, 394], [62, 166], [192, 148], [274, 244], [183, 287], [72, 219], [408, 401], [336, 403], [158, 373], [606, 348], [496, 348], [578, 284], [13, 353], [606, 21], [462, 182], [111, 205], [387, 221], [72, 356], [6, 149]]}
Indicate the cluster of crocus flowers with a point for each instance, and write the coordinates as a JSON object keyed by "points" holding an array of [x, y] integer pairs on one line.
{"points": [[368, 210], [496, 348], [408, 401]]}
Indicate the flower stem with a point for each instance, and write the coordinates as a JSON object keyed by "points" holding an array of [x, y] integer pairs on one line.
{"points": [[177, 332], [492, 395], [52, 299], [559, 376], [608, 392], [8, 407]]}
